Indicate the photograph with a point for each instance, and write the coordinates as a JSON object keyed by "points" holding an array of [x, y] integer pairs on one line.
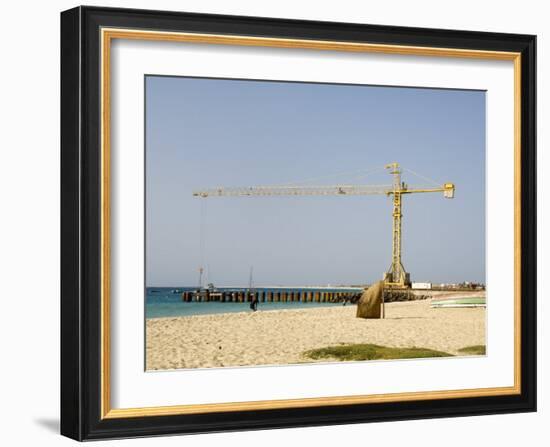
{"points": [[290, 223], [280, 222]]}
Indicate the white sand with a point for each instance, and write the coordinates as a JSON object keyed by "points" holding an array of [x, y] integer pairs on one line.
{"points": [[281, 336]]}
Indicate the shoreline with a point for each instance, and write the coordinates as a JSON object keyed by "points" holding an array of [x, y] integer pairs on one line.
{"points": [[281, 336], [258, 311]]}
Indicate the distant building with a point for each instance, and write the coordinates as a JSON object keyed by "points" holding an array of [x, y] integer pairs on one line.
{"points": [[421, 285]]}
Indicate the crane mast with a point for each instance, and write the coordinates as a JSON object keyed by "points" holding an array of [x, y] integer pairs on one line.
{"points": [[396, 273], [396, 276]]}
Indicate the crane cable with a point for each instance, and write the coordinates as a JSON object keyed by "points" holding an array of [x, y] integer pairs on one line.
{"points": [[364, 172], [370, 171], [430, 180], [202, 239]]}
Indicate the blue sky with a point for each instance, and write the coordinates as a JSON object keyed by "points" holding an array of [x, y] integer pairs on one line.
{"points": [[204, 133]]}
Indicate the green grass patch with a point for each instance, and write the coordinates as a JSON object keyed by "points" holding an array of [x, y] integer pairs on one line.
{"points": [[473, 350], [371, 352]]}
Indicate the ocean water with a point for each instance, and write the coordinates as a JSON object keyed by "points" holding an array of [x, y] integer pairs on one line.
{"points": [[166, 302]]}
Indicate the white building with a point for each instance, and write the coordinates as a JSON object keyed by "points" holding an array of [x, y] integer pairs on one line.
{"points": [[421, 285]]}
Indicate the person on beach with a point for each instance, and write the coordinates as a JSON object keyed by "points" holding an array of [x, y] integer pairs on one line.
{"points": [[254, 304]]}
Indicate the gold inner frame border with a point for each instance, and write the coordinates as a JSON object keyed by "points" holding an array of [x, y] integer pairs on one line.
{"points": [[107, 35]]}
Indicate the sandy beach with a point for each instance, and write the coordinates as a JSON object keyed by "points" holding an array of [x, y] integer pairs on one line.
{"points": [[281, 336]]}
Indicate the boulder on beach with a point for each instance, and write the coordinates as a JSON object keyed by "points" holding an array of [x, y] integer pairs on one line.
{"points": [[370, 303]]}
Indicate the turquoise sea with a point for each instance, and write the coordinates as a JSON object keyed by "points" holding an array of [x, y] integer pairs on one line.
{"points": [[166, 302]]}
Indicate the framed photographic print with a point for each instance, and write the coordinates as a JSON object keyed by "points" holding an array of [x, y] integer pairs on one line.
{"points": [[277, 223]]}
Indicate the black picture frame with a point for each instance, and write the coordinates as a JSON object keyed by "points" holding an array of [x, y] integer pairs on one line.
{"points": [[81, 224]]}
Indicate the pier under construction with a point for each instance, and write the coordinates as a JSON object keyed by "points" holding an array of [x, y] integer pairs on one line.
{"points": [[289, 296], [268, 296]]}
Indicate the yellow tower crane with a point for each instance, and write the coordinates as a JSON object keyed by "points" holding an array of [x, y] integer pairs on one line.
{"points": [[396, 276]]}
